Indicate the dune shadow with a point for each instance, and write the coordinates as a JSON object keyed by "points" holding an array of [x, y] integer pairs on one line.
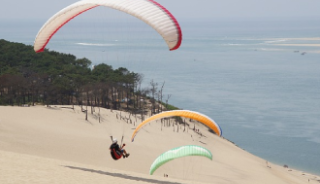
{"points": [[124, 176], [53, 108]]}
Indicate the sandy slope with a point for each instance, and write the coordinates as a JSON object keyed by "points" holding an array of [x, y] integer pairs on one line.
{"points": [[57, 145]]}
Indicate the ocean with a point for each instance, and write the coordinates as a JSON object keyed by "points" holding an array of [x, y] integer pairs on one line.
{"points": [[259, 80]]}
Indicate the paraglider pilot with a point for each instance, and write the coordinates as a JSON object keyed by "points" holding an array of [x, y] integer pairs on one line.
{"points": [[116, 151]]}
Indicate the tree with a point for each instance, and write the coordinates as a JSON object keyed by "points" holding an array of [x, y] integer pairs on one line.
{"points": [[153, 91], [51, 77], [160, 98]]}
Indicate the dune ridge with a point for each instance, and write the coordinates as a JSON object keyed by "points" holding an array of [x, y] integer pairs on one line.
{"points": [[56, 144]]}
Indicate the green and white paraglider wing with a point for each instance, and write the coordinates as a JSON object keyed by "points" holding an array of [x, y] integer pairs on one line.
{"points": [[183, 151]]}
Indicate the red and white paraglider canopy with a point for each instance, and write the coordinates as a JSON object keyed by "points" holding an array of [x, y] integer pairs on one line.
{"points": [[149, 11]]}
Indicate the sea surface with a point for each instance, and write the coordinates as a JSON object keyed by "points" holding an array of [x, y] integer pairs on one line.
{"points": [[259, 80]]}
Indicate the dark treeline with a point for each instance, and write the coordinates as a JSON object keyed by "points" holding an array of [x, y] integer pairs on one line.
{"points": [[50, 77]]}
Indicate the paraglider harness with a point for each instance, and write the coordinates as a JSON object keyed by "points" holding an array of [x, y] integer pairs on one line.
{"points": [[115, 152]]}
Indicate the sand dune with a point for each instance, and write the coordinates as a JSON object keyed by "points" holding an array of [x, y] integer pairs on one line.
{"points": [[57, 145]]}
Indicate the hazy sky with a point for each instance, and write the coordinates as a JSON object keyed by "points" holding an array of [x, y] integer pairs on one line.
{"points": [[183, 9]]}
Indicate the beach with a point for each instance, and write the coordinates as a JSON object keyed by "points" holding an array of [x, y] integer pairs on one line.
{"points": [[55, 144]]}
